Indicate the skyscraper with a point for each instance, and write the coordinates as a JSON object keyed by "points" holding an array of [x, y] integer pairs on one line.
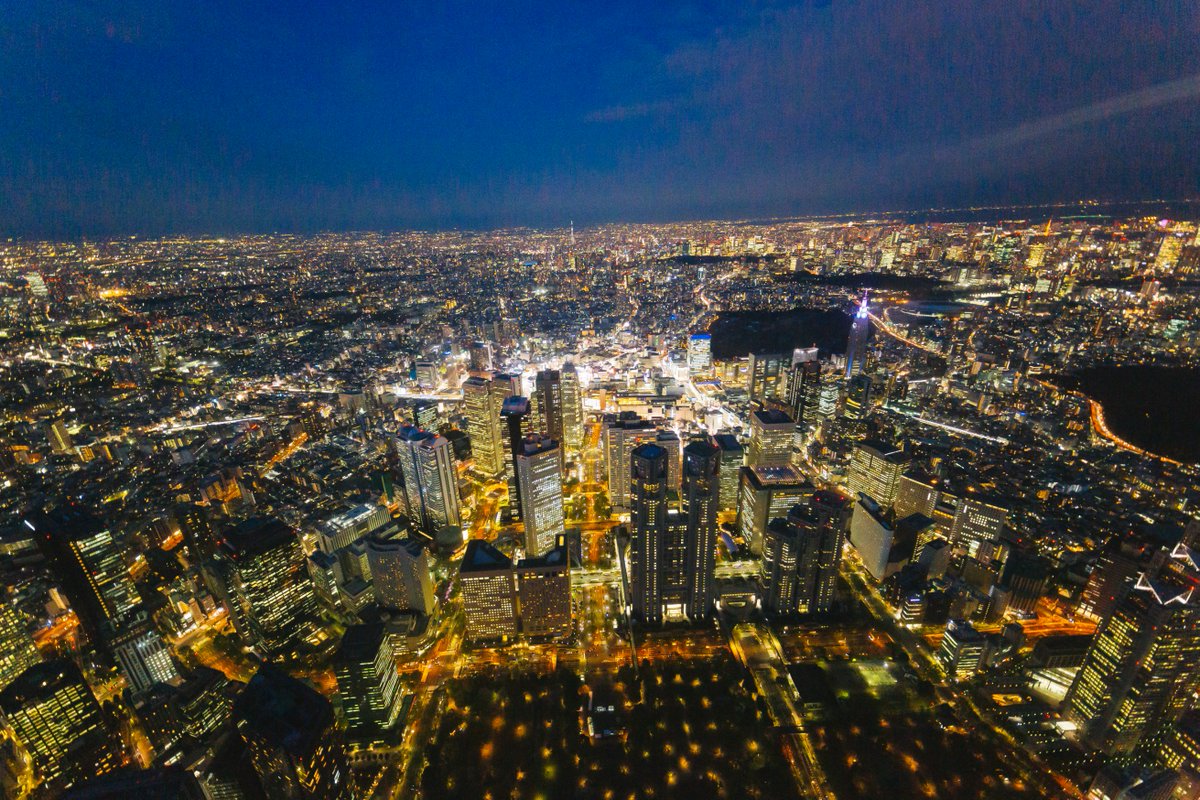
{"points": [[430, 479], [572, 408], [764, 374], [548, 403], [1139, 671], [488, 592], [293, 739], [54, 715], [142, 654], [856, 347], [802, 392], [368, 685], [771, 432], [544, 592], [17, 650], [699, 353], [962, 649], [650, 528], [400, 573], [516, 423], [620, 436], [858, 397], [84, 556], [764, 494], [539, 479], [801, 555], [875, 470], [701, 502], [732, 457], [264, 581], [482, 401]]}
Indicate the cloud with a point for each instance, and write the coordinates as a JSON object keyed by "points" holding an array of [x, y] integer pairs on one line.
{"points": [[621, 113]]}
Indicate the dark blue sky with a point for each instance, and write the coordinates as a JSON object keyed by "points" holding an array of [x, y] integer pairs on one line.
{"points": [[180, 116]]}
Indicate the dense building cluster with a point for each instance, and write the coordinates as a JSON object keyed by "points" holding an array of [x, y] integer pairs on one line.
{"points": [[264, 499]]}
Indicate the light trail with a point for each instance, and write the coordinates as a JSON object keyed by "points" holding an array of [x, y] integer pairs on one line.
{"points": [[198, 425]]}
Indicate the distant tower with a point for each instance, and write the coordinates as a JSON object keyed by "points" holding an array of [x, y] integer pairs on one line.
{"points": [[856, 348]]}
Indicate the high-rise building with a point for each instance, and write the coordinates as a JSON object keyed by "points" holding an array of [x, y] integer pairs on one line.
{"points": [[58, 436], [481, 356], [801, 554], [701, 502], [482, 401], [699, 353], [803, 389], [142, 654], [430, 479], [572, 408], [1139, 672], [858, 397], [620, 436], [733, 455], [292, 737], [875, 470], [884, 544], [650, 529], [856, 346], [548, 403], [539, 478], [669, 441], [517, 422], [962, 650], [1116, 570], [764, 375], [767, 493], [368, 685], [264, 582], [486, 580], [544, 592], [400, 573], [54, 715], [771, 432], [17, 649], [84, 556]]}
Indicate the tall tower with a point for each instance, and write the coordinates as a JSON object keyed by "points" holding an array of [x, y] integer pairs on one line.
{"points": [[548, 399], [572, 408], [430, 479], [400, 573], [856, 347], [539, 477], [17, 649], [368, 685], [648, 472], [1139, 672], [801, 555], [701, 501], [516, 423]]}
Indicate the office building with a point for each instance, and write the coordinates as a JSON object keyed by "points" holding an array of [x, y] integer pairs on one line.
{"points": [[544, 592], [486, 581], [430, 479], [54, 715], [368, 686], [264, 583], [1025, 575], [517, 423], [801, 554], [701, 502], [539, 478], [962, 650], [620, 436], [978, 523], [547, 404], [572, 408], [875, 470], [699, 354], [733, 456], [859, 396], [765, 372], [85, 558], [1138, 674], [344, 529], [482, 401], [481, 357], [883, 544], [1116, 571], [767, 493], [400, 576], [652, 528], [856, 346], [771, 432], [142, 655], [803, 392], [294, 742], [17, 649]]}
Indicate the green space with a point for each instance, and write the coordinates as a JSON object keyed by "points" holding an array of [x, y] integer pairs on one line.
{"points": [[691, 728]]}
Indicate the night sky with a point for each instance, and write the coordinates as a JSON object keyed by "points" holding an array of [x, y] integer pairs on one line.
{"points": [[222, 117]]}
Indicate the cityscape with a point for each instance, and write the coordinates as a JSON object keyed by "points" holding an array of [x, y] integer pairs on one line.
{"points": [[782, 400], [777, 509]]}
